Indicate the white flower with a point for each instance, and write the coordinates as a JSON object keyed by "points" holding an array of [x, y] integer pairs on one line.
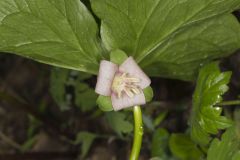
{"points": [[124, 83]]}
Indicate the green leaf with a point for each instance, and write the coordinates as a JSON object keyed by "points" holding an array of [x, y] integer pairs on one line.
{"points": [[81, 76], [57, 32], [118, 122], [86, 139], [206, 117], [226, 149], [170, 38], [118, 56], [160, 143], [236, 156], [105, 103], [85, 97], [58, 81], [184, 148], [28, 144], [148, 122], [148, 93], [160, 118]]}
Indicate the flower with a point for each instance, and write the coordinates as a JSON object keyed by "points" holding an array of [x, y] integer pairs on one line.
{"points": [[124, 83]]}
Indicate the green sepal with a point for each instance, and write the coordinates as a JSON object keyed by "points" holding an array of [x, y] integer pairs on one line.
{"points": [[104, 103], [148, 93], [118, 56]]}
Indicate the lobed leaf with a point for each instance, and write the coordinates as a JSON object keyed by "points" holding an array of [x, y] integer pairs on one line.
{"points": [[228, 148], [206, 118]]}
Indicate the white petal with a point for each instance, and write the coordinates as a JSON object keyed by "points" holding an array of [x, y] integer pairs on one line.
{"points": [[131, 67], [106, 74], [126, 102]]}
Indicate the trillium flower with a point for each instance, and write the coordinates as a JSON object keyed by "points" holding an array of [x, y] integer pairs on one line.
{"points": [[123, 83]]}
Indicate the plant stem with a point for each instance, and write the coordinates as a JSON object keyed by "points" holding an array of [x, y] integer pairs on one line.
{"points": [[229, 103], [138, 133]]}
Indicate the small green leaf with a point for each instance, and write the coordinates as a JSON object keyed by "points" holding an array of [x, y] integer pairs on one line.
{"points": [[58, 81], [148, 93], [184, 148], [85, 97], [86, 139], [27, 145], [118, 56], [159, 143], [160, 118], [104, 103], [118, 122], [148, 122], [226, 149], [170, 38], [206, 118], [56, 32]]}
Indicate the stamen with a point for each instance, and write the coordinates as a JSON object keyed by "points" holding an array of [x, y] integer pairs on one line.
{"points": [[124, 83]]}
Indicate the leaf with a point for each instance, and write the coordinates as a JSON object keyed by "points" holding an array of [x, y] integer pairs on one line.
{"points": [[85, 97], [170, 38], [57, 32], [28, 144], [118, 122], [61, 79], [160, 143], [236, 156], [86, 139], [148, 122], [184, 148], [58, 81], [226, 149], [160, 118], [206, 117]]}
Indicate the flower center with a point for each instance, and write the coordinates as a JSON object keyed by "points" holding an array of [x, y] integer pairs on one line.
{"points": [[124, 83]]}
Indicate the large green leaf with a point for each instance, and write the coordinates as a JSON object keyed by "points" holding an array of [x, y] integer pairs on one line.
{"points": [[57, 32], [206, 116], [170, 38], [226, 149]]}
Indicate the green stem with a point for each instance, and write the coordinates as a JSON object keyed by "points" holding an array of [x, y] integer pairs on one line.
{"points": [[138, 133], [229, 103]]}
